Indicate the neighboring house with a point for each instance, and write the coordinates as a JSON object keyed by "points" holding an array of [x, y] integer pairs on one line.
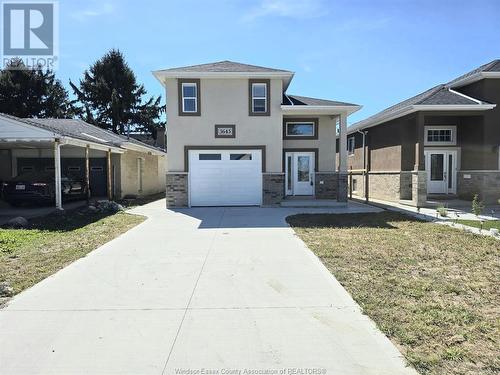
{"points": [[117, 166], [147, 138], [234, 137], [441, 143]]}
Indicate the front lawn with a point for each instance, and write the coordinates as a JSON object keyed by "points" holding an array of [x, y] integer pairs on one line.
{"points": [[27, 256], [488, 224], [432, 289]]}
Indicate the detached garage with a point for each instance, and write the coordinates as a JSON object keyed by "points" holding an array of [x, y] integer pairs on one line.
{"points": [[108, 165], [225, 177]]}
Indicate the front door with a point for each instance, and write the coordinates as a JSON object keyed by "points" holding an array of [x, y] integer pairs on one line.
{"points": [[300, 173], [441, 172]]}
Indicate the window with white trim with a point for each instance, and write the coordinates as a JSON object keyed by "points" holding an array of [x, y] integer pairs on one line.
{"points": [[259, 97], [189, 97], [351, 145], [440, 135]]}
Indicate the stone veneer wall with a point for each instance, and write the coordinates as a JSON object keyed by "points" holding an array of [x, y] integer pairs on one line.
{"points": [[177, 189], [273, 188], [326, 185], [405, 185], [331, 185], [484, 183], [359, 179], [419, 188], [384, 185]]}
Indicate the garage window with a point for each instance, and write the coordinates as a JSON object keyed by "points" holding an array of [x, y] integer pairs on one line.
{"points": [[209, 157], [73, 169], [240, 157], [28, 168]]}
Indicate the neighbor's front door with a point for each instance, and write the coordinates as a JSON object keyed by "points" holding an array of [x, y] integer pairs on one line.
{"points": [[441, 171], [303, 173]]}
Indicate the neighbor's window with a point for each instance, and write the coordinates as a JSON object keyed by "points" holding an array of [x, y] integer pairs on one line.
{"points": [[259, 98], [440, 135], [300, 129], [354, 185], [189, 97], [351, 145]]}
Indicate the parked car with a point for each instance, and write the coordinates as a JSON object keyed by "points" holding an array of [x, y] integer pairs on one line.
{"points": [[39, 188]]}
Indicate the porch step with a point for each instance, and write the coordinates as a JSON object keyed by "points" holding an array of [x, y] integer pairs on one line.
{"points": [[312, 203]]}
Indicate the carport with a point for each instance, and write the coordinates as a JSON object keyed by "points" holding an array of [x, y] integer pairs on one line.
{"points": [[26, 145]]}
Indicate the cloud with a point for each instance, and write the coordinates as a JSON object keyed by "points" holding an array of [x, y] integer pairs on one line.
{"points": [[99, 9], [299, 9]]}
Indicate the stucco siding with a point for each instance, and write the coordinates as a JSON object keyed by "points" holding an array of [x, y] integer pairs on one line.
{"points": [[224, 101], [325, 144]]}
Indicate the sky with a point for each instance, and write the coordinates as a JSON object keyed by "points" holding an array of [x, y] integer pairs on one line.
{"points": [[368, 52]]}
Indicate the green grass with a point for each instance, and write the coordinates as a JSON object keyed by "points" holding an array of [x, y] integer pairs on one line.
{"points": [[477, 224], [433, 290], [27, 256]]}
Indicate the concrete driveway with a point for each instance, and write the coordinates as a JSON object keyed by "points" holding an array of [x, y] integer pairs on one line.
{"points": [[208, 288]]}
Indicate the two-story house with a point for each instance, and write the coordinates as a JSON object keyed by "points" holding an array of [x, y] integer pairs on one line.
{"points": [[235, 137], [442, 143]]}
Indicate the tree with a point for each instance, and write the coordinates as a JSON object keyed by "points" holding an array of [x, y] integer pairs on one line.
{"points": [[111, 98], [27, 92]]}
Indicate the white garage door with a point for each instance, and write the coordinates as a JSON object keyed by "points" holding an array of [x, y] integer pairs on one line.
{"points": [[225, 177]]}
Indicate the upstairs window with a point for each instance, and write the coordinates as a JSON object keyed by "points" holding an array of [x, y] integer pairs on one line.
{"points": [[189, 97], [440, 135], [351, 145], [259, 97]]}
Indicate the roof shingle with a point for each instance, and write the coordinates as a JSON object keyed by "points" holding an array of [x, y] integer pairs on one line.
{"points": [[79, 129], [224, 67], [304, 100]]}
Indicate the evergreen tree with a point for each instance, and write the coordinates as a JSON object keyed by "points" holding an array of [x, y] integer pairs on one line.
{"points": [[111, 98], [26, 92]]}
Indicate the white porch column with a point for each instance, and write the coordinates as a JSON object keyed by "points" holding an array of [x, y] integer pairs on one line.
{"points": [[87, 171], [343, 143], [57, 169], [109, 184]]}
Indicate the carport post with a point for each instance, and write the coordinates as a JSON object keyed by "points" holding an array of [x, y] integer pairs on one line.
{"points": [[87, 172], [57, 169], [110, 192]]}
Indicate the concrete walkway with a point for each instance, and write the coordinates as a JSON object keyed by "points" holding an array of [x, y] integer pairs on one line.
{"points": [[207, 288]]}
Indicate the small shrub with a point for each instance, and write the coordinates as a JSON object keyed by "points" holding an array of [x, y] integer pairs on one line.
{"points": [[477, 205], [443, 211]]}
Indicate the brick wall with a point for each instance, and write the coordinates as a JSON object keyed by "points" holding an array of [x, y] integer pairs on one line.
{"points": [[177, 190], [273, 185]]}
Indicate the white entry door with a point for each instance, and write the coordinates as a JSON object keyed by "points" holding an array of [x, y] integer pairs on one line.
{"points": [[225, 177], [440, 166], [299, 168]]}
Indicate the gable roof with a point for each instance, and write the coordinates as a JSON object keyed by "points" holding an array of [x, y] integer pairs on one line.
{"points": [[440, 97], [224, 67], [81, 130], [304, 100]]}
